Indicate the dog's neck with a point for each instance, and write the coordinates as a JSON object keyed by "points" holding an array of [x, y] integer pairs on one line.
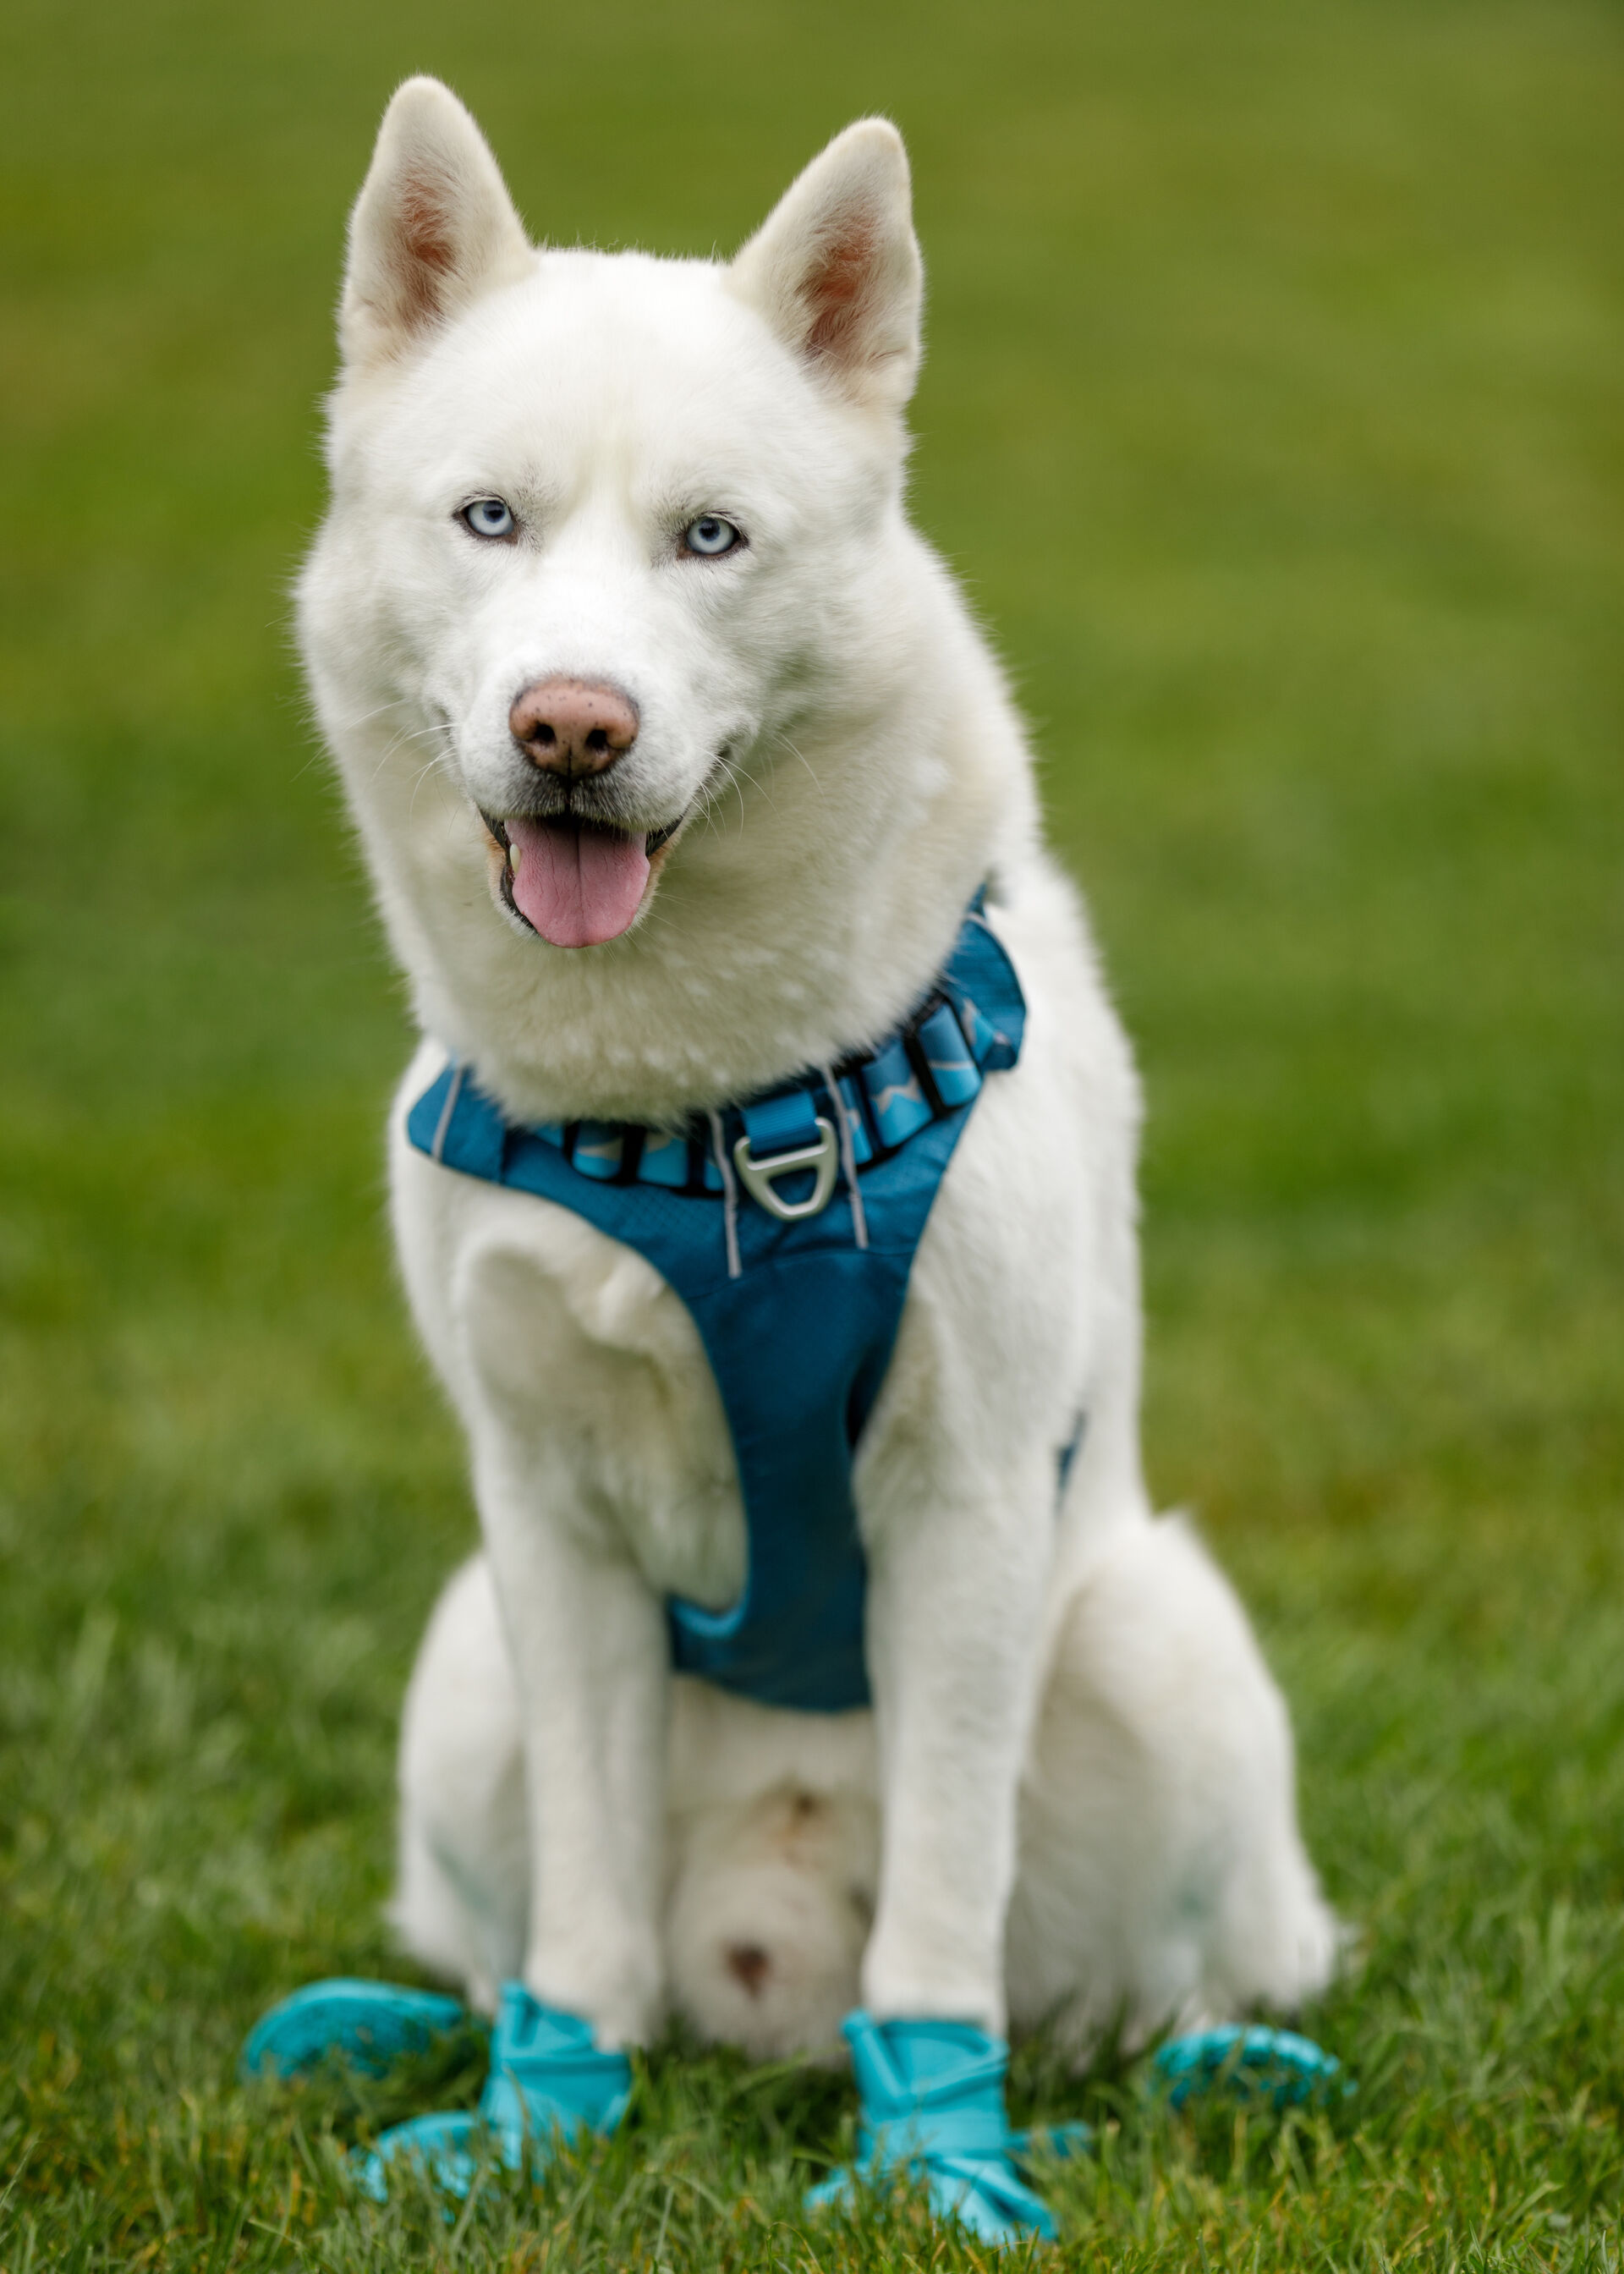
{"points": [[799, 916]]}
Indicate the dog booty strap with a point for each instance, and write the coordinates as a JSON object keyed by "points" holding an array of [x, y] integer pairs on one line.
{"points": [[546, 2073], [932, 2095], [547, 2079], [1252, 2064], [369, 2024]]}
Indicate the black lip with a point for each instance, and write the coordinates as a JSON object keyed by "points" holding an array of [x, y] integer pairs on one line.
{"points": [[509, 903]]}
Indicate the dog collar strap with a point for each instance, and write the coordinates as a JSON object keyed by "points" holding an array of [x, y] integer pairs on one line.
{"points": [[798, 1309]]}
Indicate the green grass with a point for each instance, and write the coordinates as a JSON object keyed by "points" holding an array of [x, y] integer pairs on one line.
{"points": [[1272, 414]]}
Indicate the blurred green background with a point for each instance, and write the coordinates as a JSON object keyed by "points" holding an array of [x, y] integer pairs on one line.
{"points": [[1272, 417]]}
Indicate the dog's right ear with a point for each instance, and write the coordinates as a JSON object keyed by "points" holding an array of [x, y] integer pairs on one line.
{"points": [[432, 229]]}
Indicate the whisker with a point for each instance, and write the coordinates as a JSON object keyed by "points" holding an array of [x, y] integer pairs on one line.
{"points": [[760, 785], [436, 730], [779, 736], [434, 767]]}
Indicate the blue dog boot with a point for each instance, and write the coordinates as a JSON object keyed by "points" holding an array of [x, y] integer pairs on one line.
{"points": [[1253, 2064], [547, 2074], [444, 2147], [547, 2079], [932, 2095], [1062, 2140], [369, 2024]]}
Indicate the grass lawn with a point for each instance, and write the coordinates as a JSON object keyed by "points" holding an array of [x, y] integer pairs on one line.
{"points": [[1273, 413]]}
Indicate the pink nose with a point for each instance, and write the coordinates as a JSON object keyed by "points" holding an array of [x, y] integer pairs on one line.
{"points": [[571, 726]]}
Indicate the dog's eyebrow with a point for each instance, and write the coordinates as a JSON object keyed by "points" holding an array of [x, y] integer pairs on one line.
{"points": [[674, 504], [524, 485]]}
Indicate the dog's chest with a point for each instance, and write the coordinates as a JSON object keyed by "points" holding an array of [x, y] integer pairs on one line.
{"points": [[595, 1368]]}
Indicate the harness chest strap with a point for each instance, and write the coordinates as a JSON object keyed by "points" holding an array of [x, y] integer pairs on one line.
{"points": [[787, 1225]]}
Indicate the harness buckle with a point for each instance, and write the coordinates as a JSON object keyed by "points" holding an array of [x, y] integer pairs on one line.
{"points": [[756, 1176]]}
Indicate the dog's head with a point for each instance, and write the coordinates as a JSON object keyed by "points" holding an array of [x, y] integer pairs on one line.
{"points": [[603, 525]]}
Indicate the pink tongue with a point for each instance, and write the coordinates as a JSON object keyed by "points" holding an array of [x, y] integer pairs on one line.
{"points": [[578, 886]]}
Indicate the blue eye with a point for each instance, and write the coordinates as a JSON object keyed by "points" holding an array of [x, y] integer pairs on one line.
{"points": [[710, 535], [490, 517]]}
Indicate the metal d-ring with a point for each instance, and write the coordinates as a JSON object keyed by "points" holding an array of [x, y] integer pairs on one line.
{"points": [[756, 1176]]}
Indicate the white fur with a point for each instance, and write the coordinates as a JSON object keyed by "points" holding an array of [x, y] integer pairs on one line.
{"points": [[1075, 1792]]}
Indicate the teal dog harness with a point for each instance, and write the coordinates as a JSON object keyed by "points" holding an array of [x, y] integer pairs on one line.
{"points": [[787, 1226]]}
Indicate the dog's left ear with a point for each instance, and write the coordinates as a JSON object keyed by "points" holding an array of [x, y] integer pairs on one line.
{"points": [[836, 271]]}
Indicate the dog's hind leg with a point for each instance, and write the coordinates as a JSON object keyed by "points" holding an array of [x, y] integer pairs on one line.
{"points": [[463, 1888], [1161, 1879]]}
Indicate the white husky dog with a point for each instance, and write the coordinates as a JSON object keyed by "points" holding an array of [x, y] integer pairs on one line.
{"points": [[677, 758]]}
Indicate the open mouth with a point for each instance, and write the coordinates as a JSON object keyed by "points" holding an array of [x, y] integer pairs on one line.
{"points": [[577, 883]]}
